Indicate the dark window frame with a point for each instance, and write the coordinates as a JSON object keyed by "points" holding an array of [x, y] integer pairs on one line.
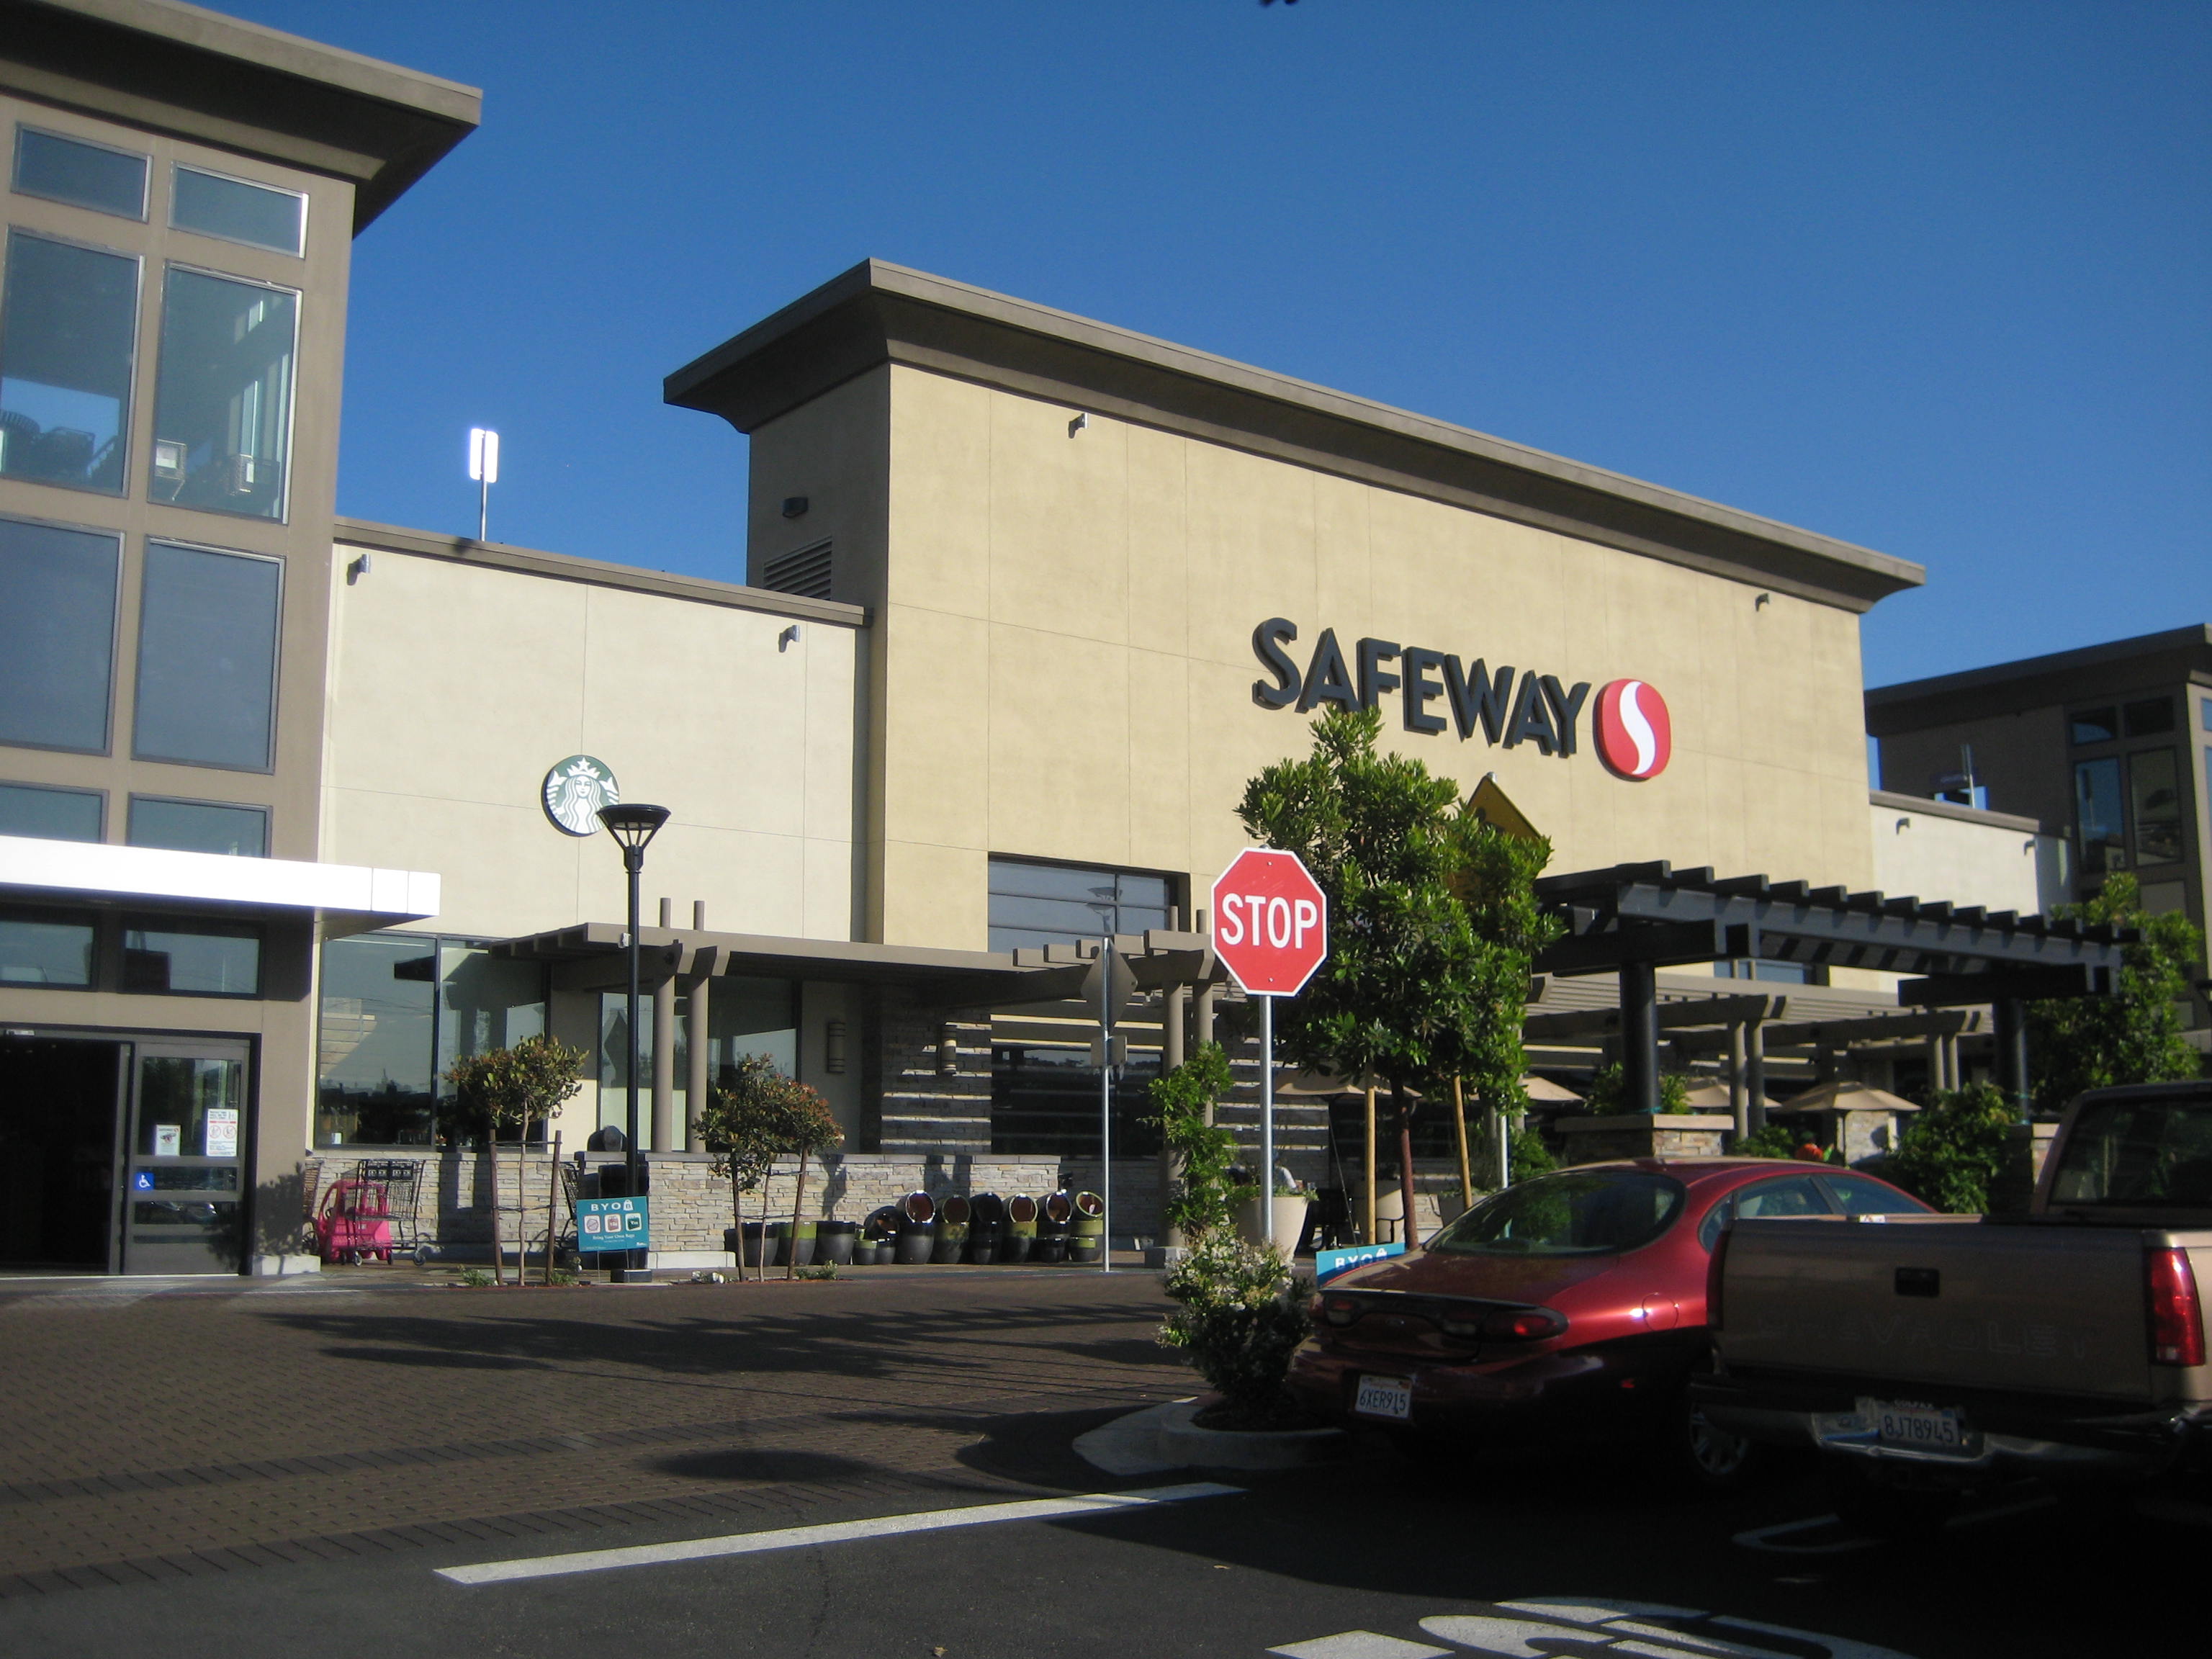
{"points": [[190, 925], [130, 806], [276, 654], [145, 189], [60, 916], [98, 795], [119, 540], [133, 391], [160, 316], [301, 195]]}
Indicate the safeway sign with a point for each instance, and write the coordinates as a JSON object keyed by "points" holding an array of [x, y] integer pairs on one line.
{"points": [[1270, 922]]}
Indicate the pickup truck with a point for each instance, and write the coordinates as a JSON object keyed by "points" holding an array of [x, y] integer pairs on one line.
{"points": [[1925, 1355]]}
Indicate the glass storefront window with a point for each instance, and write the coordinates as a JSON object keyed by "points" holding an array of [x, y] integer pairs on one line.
{"points": [[57, 634], [198, 826], [1045, 1100], [747, 1017], [46, 947], [1034, 903], [82, 174], [207, 657], [222, 406], [173, 956], [2149, 717], [2098, 822], [376, 1054], [68, 332], [50, 814], [485, 1002], [237, 212], [2154, 792]]}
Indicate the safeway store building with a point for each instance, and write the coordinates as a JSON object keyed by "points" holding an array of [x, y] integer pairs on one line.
{"points": [[289, 804]]}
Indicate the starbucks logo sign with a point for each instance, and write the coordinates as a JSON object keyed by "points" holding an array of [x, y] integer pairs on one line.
{"points": [[575, 790]]}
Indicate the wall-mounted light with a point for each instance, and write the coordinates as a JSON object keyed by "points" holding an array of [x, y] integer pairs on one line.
{"points": [[794, 507], [948, 1054], [1078, 424], [833, 1046], [357, 569], [788, 638], [1762, 602]]}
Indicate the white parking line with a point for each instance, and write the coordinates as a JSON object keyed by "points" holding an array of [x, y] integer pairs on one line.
{"points": [[787, 1538]]}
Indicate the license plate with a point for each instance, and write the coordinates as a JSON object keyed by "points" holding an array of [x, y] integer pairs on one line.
{"points": [[1384, 1396], [1921, 1428]]}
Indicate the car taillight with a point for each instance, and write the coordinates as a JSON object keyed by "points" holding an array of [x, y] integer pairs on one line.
{"points": [[1338, 1310], [2177, 1315], [1714, 1268], [1522, 1324]]}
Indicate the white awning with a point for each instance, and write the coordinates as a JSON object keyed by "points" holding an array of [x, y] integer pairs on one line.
{"points": [[345, 898]]}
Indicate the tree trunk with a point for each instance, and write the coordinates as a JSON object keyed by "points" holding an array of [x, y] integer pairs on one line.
{"points": [[1404, 1108], [1459, 1128], [798, 1198], [737, 1217], [491, 1148]]}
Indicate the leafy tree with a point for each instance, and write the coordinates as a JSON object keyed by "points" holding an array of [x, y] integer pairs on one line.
{"points": [[742, 1126], [1241, 1315], [2133, 1036], [1206, 1197], [501, 1091], [1609, 1092], [810, 1129], [1954, 1150], [1432, 922]]}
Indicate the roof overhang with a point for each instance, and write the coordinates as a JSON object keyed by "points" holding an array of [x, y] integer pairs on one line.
{"points": [[222, 81], [342, 898], [1651, 912], [878, 313]]}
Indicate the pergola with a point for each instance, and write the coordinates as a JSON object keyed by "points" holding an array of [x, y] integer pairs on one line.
{"points": [[1634, 918]]}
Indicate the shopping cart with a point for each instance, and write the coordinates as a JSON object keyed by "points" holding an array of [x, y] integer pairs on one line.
{"points": [[369, 1214]]}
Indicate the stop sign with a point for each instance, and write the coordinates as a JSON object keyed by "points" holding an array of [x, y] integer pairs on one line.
{"points": [[1270, 922]]}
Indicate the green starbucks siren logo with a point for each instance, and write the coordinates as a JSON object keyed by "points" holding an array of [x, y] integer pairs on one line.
{"points": [[575, 791]]}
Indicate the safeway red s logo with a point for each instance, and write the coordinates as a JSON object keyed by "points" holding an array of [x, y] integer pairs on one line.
{"points": [[1634, 737]]}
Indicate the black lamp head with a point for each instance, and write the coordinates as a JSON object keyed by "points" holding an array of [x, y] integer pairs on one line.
{"points": [[633, 823]]}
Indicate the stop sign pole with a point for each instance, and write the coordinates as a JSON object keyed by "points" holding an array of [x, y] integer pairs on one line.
{"points": [[1271, 932]]}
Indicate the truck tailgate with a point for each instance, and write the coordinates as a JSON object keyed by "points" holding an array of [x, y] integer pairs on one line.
{"points": [[2057, 1309]]}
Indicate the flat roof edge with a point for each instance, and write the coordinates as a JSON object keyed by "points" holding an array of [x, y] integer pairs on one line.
{"points": [[876, 311], [596, 572], [2197, 637], [1891, 800]]}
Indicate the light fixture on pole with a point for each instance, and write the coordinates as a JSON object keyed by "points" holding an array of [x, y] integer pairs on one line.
{"points": [[483, 467], [633, 825]]}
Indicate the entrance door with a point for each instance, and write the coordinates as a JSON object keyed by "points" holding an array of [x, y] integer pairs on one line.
{"points": [[58, 1133], [184, 1174]]}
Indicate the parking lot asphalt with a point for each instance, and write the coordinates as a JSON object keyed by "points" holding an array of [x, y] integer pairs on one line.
{"points": [[260, 1474]]}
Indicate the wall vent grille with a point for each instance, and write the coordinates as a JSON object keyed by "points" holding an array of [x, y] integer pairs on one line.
{"points": [[805, 572]]}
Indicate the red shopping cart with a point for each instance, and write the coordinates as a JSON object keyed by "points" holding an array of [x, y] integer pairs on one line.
{"points": [[355, 1223]]}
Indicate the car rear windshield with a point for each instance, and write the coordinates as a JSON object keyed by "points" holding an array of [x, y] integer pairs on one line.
{"points": [[2153, 1152], [1571, 1214]]}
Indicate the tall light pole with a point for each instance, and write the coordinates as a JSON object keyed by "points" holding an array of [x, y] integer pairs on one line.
{"points": [[483, 467], [633, 825]]}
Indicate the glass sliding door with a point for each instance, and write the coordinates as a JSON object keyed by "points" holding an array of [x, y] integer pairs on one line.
{"points": [[185, 1169]]}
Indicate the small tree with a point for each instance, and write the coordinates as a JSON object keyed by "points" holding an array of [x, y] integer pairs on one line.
{"points": [[809, 1129], [1609, 1092], [742, 1126], [506, 1089], [2133, 1036], [1432, 922], [1205, 1196], [1954, 1150]]}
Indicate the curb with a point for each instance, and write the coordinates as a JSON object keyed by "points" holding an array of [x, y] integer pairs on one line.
{"points": [[1161, 1438]]}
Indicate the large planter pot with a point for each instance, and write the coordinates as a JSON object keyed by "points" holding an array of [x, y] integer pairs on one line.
{"points": [[982, 1244], [775, 1247], [915, 1244], [1049, 1246], [1085, 1247], [1015, 1247], [743, 1244], [1285, 1223], [950, 1242], [834, 1242]]}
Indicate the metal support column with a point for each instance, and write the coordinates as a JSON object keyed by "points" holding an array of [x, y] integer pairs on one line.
{"points": [[1755, 1073], [1738, 1064], [1639, 1037], [1175, 1019], [663, 1050], [699, 1028], [2011, 1017]]}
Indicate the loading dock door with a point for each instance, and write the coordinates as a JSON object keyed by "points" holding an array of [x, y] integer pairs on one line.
{"points": [[183, 1173]]}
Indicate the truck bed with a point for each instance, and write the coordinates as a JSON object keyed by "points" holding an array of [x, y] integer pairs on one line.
{"points": [[1948, 1301]]}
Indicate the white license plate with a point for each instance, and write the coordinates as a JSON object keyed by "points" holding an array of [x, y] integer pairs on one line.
{"points": [[1384, 1396], [1922, 1428]]}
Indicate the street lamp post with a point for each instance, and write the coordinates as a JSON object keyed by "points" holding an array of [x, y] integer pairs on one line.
{"points": [[633, 825]]}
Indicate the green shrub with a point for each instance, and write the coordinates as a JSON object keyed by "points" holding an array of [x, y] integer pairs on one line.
{"points": [[1951, 1153], [1243, 1314], [1609, 1093], [1206, 1198], [1769, 1141], [1528, 1155]]}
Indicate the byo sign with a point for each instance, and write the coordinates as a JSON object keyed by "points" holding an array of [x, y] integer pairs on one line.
{"points": [[1270, 922]]}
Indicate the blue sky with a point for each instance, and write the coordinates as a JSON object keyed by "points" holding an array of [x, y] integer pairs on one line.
{"points": [[1934, 279]]}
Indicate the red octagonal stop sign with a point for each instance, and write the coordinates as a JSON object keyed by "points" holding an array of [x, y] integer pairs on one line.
{"points": [[1270, 922]]}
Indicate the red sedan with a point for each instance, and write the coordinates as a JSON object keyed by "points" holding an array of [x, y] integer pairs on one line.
{"points": [[1574, 1303]]}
